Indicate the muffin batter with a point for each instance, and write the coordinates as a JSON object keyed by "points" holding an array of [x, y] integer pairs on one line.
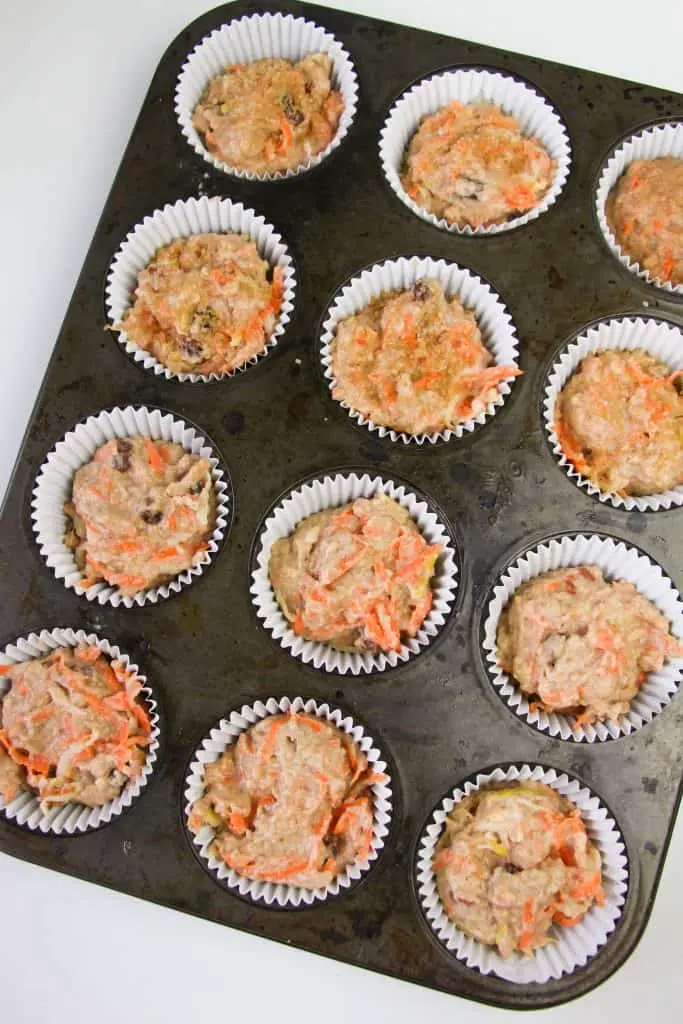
{"points": [[290, 802], [205, 304], [581, 645], [513, 859], [142, 511], [645, 213], [619, 420], [414, 361], [356, 577], [73, 729], [471, 165], [270, 115]]}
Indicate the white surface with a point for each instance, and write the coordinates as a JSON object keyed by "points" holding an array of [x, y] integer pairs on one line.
{"points": [[73, 74]]}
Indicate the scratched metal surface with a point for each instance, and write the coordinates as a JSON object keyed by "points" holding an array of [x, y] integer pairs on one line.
{"points": [[205, 652]]}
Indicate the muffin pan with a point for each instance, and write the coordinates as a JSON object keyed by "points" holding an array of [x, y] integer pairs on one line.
{"points": [[437, 718]]}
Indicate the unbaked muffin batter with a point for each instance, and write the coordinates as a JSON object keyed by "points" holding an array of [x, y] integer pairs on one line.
{"points": [[471, 165], [645, 213], [73, 728], [356, 577], [513, 860], [415, 361], [619, 420], [141, 511], [290, 802], [270, 115], [581, 645], [205, 304]]}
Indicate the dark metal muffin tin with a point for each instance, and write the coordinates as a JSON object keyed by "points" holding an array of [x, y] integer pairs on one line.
{"points": [[205, 652]]}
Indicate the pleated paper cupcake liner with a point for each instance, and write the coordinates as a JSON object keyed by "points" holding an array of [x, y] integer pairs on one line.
{"points": [[252, 38], [493, 319], [649, 144], [534, 112], [570, 948], [73, 818], [662, 340], [55, 480], [183, 219], [618, 561], [224, 735], [330, 492]]}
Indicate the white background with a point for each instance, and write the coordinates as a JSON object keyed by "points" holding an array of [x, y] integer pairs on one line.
{"points": [[73, 74]]}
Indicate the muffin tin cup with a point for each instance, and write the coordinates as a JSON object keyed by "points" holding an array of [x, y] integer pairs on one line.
{"points": [[183, 219], [537, 117], [73, 818], [328, 492], [617, 560], [281, 895], [55, 479], [493, 319], [663, 341], [252, 38], [570, 948], [649, 144]]}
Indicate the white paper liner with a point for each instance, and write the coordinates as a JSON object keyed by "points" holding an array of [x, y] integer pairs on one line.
{"points": [[181, 220], [662, 340], [617, 561], [223, 736], [572, 947], [252, 38], [71, 818], [493, 319], [53, 488], [649, 144], [471, 85], [330, 492]]}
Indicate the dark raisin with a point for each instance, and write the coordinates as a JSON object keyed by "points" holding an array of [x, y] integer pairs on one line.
{"points": [[204, 319], [420, 291], [293, 114], [151, 516], [198, 487], [121, 460], [512, 869], [192, 349]]}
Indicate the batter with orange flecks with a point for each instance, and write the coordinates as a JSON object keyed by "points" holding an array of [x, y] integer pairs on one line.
{"points": [[514, 859], [581, 645], [472, 165], [290, 802], [619, 421], [356, 577], [415, 361], [645, 212], [141, 512]]}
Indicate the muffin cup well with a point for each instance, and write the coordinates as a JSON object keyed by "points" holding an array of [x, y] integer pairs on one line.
{"points": [[493, 319], [571, 947], [537, 117], [649, 144], [53, 488], [663, 341], [330, 492], [72, 818], [183, 219], [224, 735], [252, 38], [617, 560]]}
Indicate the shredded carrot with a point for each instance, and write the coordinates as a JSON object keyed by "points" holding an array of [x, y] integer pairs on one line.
{"points": [[583, 719], [6, 669], [154, 456], [566, 922], [87, 653], [222, 275], [298, 624]]}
